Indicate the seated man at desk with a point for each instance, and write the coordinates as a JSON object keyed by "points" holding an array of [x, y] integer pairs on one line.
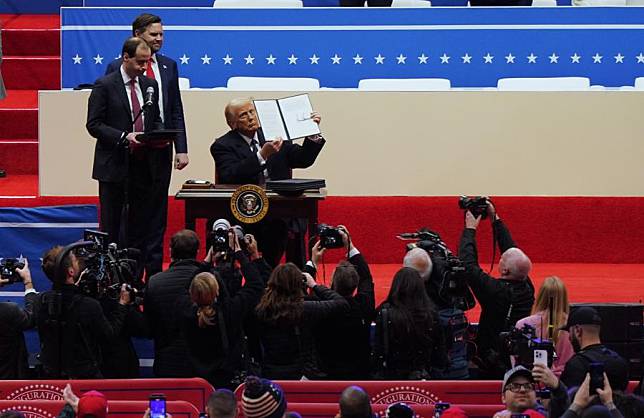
{"points": [[243, 156]]}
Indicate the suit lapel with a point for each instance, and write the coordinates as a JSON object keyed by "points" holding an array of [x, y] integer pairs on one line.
{"points": [[122, 93], [165, 74]]}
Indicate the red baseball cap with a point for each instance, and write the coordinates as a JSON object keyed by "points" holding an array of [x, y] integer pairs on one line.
{"points": [[92, 403]]}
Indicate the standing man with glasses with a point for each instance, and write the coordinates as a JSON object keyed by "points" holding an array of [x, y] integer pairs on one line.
{"points": [[164, 70], [518, 393]]}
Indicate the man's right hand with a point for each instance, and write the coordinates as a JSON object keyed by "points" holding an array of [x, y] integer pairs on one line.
{"points": [[544, 375], [124, 297], [316, 253], [132, 141], [470, 221], [25, 275], [348, 245], [491, 210], [271, 147]]}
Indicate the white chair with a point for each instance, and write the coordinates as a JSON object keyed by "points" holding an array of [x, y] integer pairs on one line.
{"points": [[404, 84], [544, 3], [184, 83], [639, 83], [599, 3], [272, 84], [259, 4], [544, 84], [411, 3]]}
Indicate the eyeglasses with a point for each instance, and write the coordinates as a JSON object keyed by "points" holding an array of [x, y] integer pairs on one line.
{"points": [[516, 387]]}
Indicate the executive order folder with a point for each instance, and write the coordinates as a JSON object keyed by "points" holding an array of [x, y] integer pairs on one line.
{"points": [[286, 118]]}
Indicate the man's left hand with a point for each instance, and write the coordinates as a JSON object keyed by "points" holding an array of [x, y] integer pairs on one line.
{"points": [[316, 117], [470, 221], [181, 161]]}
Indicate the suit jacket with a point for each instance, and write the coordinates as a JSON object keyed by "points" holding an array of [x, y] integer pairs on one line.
{"points": [[108, 117], [172, 104], [237, 164]]}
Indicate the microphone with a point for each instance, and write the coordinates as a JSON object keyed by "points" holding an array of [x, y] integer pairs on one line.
{"points": [[149, 93]]}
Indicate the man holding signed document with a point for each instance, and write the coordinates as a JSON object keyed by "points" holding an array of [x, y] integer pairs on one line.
{"points": [[259, 147]]}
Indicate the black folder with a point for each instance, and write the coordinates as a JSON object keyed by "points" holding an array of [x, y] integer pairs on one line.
{"points": [[295, 186]]}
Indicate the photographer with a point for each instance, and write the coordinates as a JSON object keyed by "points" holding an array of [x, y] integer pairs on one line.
{"points": [[164, 291], [286, 320], [504, 300], [13, 321], [343, 340], [212, 323], [71, 325]]}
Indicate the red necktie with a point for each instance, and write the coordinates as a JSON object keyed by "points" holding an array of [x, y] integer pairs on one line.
{"points": [[136, 107], [149, 72]]}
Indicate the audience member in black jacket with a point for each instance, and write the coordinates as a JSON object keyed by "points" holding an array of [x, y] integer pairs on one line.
{"points": [[409, 341], [163, 292], [342, 341], [13, 321], [286, 320], [504, 300], [212, 325]]}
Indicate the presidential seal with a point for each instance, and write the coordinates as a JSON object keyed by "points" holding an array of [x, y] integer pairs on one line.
{"points": [[408, 394], [249, 204]]}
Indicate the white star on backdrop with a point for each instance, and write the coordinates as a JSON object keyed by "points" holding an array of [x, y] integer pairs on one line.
{"points": [[228, 60], [422, 59], [77, 59], [98, 59], [292, 60], [205, 60], [357, 59], [118, 57], [444, 58], [575, 58], [597, 59], [509, 59], [314, 59], [270, 60], [554, 58], [379, 59], [488, 58], [250, 60], [532, 59], [640, 58], [401, 59], [184, 59], [467, 58], [335, 59], [619, 58]]}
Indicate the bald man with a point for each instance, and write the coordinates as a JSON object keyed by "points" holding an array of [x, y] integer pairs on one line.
{"points": [[354, 403], [504, 300]]}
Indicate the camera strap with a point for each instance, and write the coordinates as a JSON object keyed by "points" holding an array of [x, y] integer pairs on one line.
{"points": [[384, 312]]}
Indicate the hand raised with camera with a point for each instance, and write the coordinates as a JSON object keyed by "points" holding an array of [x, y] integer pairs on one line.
{"points": [[25, 275], [316, 253], [491, 210], [344, 232], [124, 296], [310, 281], [471, 222], [606, 394], [582, 397], [251, 247], [233, 240], [543, 374]]}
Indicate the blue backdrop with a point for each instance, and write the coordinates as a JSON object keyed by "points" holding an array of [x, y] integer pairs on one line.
{"points": [[473, 47]]}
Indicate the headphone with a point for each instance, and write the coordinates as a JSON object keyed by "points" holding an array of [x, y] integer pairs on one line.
{"points": [[60, 272]]}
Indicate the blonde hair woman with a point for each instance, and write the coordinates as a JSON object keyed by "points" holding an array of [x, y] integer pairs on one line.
{"points": [[553, 291]]}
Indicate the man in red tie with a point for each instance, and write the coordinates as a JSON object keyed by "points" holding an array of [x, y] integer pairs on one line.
{"points": [[126, 170], [164, 70]]}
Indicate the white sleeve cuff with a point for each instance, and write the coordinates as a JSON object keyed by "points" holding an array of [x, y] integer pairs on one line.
{"points": [[261, 160], [354, 251], [28, 291], [311, 264]]}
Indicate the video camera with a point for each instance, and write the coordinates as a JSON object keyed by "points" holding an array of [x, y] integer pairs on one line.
{"points": [[8, 268], [105, 267], [427, 240], [477, 205], [330, 237], [524, 344]]}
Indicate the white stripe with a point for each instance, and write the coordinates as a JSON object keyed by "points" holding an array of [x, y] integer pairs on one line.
{"points": [[47, 225], [146, 362], [569, 26], [12, 294]]}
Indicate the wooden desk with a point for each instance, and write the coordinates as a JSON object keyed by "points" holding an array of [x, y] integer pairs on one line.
{"points": [[215, 203]]}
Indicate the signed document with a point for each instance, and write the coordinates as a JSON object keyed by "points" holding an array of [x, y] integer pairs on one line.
{"points": [[287, 118]]}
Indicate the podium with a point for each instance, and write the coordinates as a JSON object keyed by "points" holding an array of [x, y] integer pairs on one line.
{"points": [[213, 203]]}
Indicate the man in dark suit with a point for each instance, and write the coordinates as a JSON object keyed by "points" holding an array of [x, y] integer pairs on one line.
{"points": [[243, 156], [125, 168], [164, 70]]}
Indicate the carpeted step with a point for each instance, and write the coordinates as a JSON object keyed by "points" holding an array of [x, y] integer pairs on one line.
{"points": [[19, 123], [20, 99], [30, 42], [31, 73], [30, 21], [19, 156]]}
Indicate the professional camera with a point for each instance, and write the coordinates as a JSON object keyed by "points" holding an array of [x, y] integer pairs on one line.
{"points": [[106, 267], [330, 237], [219, 235], [477, 205], [8, 268], [427, 240], [524, 344]]}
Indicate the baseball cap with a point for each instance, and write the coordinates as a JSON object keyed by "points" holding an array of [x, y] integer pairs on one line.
{"points": [[92, 403], [582, 316], [516, 371], [399, 410]]}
